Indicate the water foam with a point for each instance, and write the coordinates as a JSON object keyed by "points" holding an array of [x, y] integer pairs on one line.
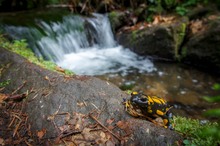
{"points": [[83, 45]]}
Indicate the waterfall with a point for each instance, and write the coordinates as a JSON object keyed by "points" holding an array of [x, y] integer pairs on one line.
{"points": [[84, 45]]}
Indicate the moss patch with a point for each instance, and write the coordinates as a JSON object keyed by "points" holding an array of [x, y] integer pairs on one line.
{"points": [[179, 31], [194, 131], [20, 47]]}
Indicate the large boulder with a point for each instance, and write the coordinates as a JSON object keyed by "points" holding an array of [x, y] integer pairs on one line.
{"points": [[162, 40], [203, 46], [57, 100]]}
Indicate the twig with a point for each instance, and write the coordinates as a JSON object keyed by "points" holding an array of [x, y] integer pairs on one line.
{"points": [[116, 136], [33, 97], [95, 106], [84, 6], [2, 88], [16, 97], [16, 128], [19, 88], [76, 132], [12, 121], [27, 142], [70, 133]]}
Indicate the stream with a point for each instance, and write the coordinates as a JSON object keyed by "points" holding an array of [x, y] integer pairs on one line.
{"points": [[87, 47]]}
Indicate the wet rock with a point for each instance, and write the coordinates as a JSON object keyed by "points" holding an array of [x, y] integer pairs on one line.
{"points": [[54, 95], [203, 46], [162, 40], [118, 19], [151, 41]]}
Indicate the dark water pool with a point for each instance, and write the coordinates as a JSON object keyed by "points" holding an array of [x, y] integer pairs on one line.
{"points": [[184, 87]]}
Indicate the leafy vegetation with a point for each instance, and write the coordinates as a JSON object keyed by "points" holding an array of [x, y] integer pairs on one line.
{"points": [[4, 83], [195, 132], [21, 47], [201, 133], [213, 131]]}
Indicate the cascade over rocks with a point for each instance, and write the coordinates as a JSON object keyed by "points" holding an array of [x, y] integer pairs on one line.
{"points": [[54, 94]]}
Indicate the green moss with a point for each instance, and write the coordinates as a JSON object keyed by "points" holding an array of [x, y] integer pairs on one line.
{"points": [[133, 36], [179, 35], [194, 132], [112, 15], [20, 47], [183, 52], [5, 83]]}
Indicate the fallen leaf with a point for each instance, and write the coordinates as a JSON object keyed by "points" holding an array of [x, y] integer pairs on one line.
{"points": [[109, 121], [168, 19], [46, 78], [110, 143], [156, 20], [78, 121], [110, 127], [122, 124], [196, 26], [59, 69], [86, 133], [67, 117], [2, 142], [80, 104], [78, 127], [64, 128], [41, 133], [102, 134], [2, 97]]}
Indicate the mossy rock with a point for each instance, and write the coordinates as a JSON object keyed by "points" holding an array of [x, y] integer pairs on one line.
{"points": [[203, 48]]}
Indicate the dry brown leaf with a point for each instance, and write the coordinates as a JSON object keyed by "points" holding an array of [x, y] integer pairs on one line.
{"points": [[213, 17], [102, 134], [110, 127], [109, 121], [67, 117], [196, 26], [46, 78], [2, 97], [70, 144], [156, 20], [78, 120], [71, 122], [64, 128], [80, 104], [59, 69], [41, 133], [78, 127], [168, 19], [2, 142], [122, 124], [86, 133], [110, 143]]}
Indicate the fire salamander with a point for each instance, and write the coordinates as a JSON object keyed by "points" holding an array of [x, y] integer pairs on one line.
{"points": [[150, 107]]}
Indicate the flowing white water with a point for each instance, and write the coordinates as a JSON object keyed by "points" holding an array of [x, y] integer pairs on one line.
{"points": [[83, 45]]}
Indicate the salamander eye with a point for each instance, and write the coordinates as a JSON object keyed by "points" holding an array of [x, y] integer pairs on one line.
{"points": [[143, 99]]}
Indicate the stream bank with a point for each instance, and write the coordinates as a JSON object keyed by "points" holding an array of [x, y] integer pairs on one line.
{"points": [[182, 85], [56, 105]]}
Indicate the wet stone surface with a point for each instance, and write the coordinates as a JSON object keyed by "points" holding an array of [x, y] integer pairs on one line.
{"points": [[57, 99]]}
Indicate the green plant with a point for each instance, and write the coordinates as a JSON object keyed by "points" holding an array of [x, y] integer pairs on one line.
{"points": [[193, 131], [5, 83], [181, 10], [169, 4], [198, 133], [21, 47], [214, 131], [179, 35]]}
